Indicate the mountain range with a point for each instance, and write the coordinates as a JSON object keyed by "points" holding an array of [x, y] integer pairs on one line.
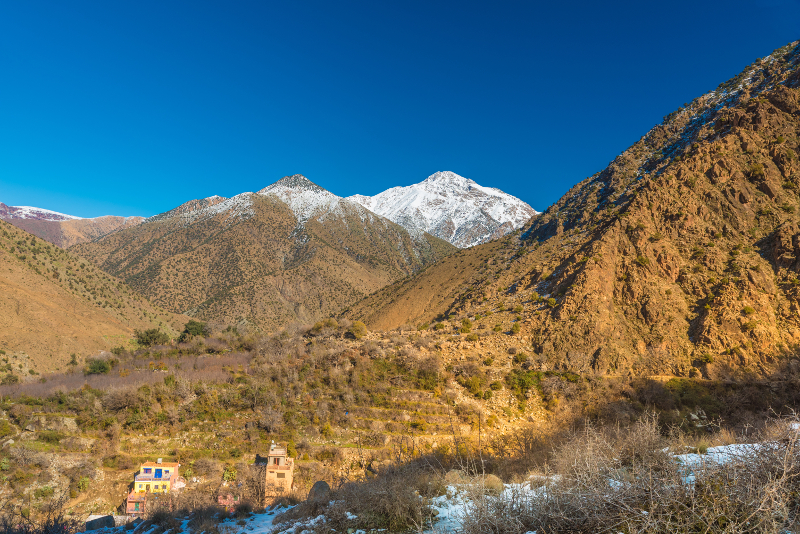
{"points": [[446, 205], [680, 258], [293, 251]]}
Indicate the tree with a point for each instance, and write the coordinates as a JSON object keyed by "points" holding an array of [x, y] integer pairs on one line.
{"points": [[153, 336], [194, 328]]}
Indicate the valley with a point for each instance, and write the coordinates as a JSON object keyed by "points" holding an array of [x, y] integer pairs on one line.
{"points": [[625, 360]]}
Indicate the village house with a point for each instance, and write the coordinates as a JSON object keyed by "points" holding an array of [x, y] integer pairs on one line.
{"points": [[153, 477], [279, 471]]}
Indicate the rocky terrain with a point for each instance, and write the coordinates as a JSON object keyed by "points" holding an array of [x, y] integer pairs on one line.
{"points": [[677, 259], [291, 252], [54, 304], [63, 230], [452, 208]]}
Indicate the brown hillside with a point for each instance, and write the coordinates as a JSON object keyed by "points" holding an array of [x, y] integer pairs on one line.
{"points": [[677, 259], [249, 260], [69, 232], [53, 304]]}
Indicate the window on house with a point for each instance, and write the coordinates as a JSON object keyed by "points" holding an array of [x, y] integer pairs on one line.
{"points": [[147, 470], [281, 475]]}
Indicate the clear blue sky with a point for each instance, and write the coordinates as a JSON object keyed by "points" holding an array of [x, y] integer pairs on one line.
{"points": [[133, 107]]}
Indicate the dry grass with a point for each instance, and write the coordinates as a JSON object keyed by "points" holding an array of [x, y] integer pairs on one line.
{"points": [[397, 500], [625, 481]]}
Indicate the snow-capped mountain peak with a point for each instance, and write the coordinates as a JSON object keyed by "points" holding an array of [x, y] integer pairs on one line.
{"points": [[452, 207], [304, 197], [32, 213]]}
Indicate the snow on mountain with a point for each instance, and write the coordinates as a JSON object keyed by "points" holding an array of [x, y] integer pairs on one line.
{"points": [[32, 213], [452, 208], [305, 198], [308, 200]]}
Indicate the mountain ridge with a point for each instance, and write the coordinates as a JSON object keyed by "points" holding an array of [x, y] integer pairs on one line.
{"points": [[61, 229], [291, 252], [677, 259]]}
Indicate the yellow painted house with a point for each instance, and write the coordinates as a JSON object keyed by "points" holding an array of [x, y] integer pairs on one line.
{"points": [[153, 477]]}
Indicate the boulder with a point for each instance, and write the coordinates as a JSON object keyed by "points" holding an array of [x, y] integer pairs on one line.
{"points": [[320, 493], [103, 521]]}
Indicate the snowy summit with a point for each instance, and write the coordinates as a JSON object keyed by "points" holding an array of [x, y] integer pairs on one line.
{"points": [[29, 212], [451, 207]]}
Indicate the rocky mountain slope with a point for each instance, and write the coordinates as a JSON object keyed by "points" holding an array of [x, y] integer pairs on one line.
{"points": [[452, 208], [291, 252], [53, 304], [680, 258], [60, 229]]}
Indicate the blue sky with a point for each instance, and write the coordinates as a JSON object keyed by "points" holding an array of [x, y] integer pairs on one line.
{"points": [[131, 108]]}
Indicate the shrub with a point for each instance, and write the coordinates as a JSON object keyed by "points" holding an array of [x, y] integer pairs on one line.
{"points": [[151, 337], [50, 436], [193, 328], [9, 379], [515, 328], [472, 337], [358, 329], [748, 310], [643, 261], [756, 170], [97, 366], [551, 302], [207, 467]]}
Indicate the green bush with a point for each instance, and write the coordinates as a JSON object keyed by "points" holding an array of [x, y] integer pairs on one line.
{"points": [[748, 310], [756, 170], [551, 302], [358, 329], [193, 328], [515, 328], [97, 367], [10, 378], [151, 337], [50, 436], [472, 337]]}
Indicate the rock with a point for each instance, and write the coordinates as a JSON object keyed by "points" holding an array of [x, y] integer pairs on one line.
{"points": [[320, 493], [95, 522]]}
